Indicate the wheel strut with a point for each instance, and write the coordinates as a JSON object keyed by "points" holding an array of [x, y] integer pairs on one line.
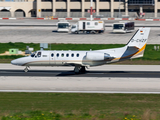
{"points": [[26, 69]]}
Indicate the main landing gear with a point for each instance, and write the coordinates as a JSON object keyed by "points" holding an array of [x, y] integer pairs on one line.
{"points": [[26, 69], [79, 69]]}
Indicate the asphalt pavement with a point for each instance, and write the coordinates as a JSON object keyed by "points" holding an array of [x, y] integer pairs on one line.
{"points": [[62, 73], [51, 23], [50, 35]]}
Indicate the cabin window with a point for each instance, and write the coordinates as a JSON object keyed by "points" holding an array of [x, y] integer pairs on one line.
{"points": [[39, 54], [62, 55], [67, 55], [57, 54], [72, 55], [52, 55], [77, 55], [96, 23], [88, 23]]}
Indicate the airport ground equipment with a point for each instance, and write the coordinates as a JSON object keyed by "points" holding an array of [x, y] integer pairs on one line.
{"points": [[88, 27], [63, 26], [123, 27]]}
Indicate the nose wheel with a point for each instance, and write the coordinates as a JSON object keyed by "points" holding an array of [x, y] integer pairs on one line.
{"points": [[26, 69]]}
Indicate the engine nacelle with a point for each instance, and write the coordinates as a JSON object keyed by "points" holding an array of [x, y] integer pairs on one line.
{"points": [[95, 56]]}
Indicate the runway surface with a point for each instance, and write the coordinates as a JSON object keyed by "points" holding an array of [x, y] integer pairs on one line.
{"points": [[79, 84], [129, 71], [101, 79], [65, 73]]}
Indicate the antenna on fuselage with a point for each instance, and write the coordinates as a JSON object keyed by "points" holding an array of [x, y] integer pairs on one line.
{"points": [[43, 45]]}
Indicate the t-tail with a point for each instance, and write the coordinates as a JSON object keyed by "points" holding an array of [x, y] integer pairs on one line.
{"points": [[138, 42]]}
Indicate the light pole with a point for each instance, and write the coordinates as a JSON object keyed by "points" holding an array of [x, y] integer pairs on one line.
{"points": [[91, 14]]}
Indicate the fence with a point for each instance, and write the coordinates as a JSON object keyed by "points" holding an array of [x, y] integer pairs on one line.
{"points": [[5, 14], [8, 14], [100, 14], [13, 0], [80, 14], [19, 14], [149, 15]]}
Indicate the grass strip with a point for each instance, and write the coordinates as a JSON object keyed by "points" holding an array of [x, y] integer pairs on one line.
{"points": [[22, 46], [69, 106], [149, 55]]}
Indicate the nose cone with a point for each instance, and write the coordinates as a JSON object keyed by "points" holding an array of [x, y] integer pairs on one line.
{"points": [[19, 61], [14, 62]]}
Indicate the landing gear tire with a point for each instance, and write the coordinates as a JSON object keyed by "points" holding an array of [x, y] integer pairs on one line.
{"points": [[26, 69], [83, 69], [79, 69]]}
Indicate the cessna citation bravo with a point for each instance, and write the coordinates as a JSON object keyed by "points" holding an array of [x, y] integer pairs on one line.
{"points": [[84, 59]]}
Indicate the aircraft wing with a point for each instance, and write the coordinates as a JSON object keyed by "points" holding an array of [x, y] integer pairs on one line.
{"points": [[74, 63]]}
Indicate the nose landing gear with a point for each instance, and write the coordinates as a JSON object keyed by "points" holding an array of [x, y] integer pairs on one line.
{"points": [[26, 69]]}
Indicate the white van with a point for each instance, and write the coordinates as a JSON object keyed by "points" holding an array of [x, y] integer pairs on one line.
{"points": [[63, 26]]}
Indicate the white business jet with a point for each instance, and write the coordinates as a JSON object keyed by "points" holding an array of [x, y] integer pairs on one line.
{"points": [[84, 59]]}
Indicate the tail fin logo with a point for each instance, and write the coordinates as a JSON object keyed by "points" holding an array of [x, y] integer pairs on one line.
{"points": [[142, 33], [139, 40]]}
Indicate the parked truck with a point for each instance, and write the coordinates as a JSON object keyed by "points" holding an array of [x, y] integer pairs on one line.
{"points": [[88, 27]]}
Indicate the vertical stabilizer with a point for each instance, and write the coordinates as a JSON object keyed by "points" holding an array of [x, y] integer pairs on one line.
{"points": [[137, 44], [140, 38]]}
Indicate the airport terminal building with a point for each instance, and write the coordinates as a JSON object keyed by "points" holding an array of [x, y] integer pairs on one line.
{"points": [[80, 8]]}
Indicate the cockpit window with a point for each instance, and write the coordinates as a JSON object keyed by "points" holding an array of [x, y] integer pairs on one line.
{"points": [[33, 54], [39, 54]]}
